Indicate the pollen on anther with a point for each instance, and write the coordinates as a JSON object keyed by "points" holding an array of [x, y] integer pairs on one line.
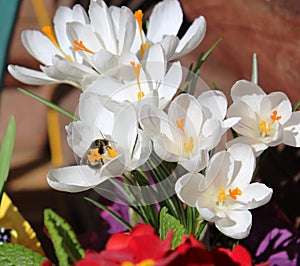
{"points": [[79, 46], [48, 31]]}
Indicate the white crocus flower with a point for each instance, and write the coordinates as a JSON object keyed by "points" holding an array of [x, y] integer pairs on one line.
{"points": [[142, 81], [224, 194], [266, 120], [102, 156], [164, 25], [184, 135], [53, 43]]}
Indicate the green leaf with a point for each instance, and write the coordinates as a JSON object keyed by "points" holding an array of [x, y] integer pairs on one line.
{"points": [[49, 104], [296, 106], [254, 74], [6, 151], [16, 255], [167, 223], [67, 248]]}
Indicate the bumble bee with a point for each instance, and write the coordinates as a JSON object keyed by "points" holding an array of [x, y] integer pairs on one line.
{"points": [[99, 150]]}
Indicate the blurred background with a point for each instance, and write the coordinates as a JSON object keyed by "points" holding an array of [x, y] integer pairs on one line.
{"points": [[269, 28]]}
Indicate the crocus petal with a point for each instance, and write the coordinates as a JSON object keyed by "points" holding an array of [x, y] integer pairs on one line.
{"points": [[103, 25], [257, 146], [39, 46], [155, 64], [166, 19], [74, 178], [187, 188], [244, 87], [244, 164], [255, 195], [113, 168], [124, 132], [277, 101], [237, 226], [214, 103], [30, 76], [291, 130], [192, 38], [169, 43], [197, 163], [127, 26]]}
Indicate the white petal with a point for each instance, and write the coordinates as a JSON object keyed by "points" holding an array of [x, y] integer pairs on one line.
{"points": [[257, 146], [155, 64], [105, 61], [197, 163], [30, 76], [166, 19], [244, 87], [192, 38], [277, 101], [113, 168], [39, 46], [74, 178], [169, 43], [237, 226], [187, 188], [79, 14], [291, 131], [126, 30], [61, 17], [214, 102], [124, 132], [103, 25], [244, 164], [166, 149], [170, 84], [212, 132], [254, 195]]}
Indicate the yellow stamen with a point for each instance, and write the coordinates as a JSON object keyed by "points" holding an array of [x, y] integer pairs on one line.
{"points": [[232, 193], [139, 18], [222, 195], [189, 145], [79, 46], [48, 31], [112, 153], [265, 128], [137, 70], [148, 262], [94, 155], [180, 125]]}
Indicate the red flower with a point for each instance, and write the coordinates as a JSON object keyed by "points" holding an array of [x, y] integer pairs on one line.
{"points": [[140, 247]]}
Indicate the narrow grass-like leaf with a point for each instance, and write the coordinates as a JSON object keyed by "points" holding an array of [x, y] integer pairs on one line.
{"points": [[296, 106], [254, 74], [49, 104], [67, 248], [6, 151], [167, 223], [112, 213]]}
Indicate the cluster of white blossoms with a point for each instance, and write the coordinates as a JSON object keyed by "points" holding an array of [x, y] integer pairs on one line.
{"points": [[131, 106]]}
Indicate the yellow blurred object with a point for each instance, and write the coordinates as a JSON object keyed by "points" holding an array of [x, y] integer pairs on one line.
{"points": [[22, 234]]}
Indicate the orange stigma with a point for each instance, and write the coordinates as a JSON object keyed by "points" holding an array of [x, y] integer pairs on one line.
{"points": [[139, 18], [79, 46], [232, 193], [137, 70]]}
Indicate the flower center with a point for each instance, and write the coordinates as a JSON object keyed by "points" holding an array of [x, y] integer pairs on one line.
{"points": [[188, 143], [137, 70], [148, 262], [48, 31], [139, 18], [232, 193], [79, 46], [265, 128]]}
